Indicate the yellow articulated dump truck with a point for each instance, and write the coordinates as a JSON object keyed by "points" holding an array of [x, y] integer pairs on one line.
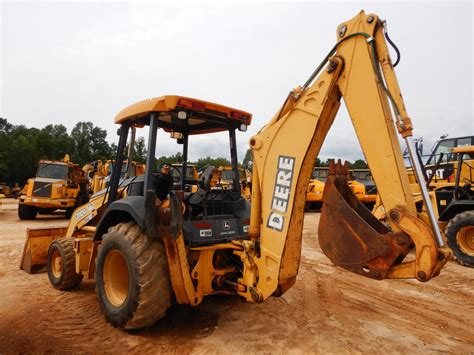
{"points": [[363, 186], [314, 194], [58, 184], [148, 243]]}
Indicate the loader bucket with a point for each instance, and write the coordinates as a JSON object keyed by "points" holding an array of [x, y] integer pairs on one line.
{"points": [[35, 250], [350, 236]]}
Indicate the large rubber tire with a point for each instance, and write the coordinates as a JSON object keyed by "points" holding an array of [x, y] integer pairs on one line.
{"points": [[460, 235], [62, 264], [132, 277], [26, 212]]}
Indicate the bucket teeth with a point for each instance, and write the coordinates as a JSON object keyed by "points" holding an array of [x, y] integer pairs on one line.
{"points": [[338, 169]]}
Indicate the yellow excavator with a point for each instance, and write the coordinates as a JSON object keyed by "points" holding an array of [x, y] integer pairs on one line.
{"points": [[146, 248]]}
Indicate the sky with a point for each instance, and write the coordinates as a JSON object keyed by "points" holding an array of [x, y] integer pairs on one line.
{"points": [[63, 62]]}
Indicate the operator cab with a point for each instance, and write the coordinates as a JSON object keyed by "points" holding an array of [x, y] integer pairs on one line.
{"points": [[208, 215]]}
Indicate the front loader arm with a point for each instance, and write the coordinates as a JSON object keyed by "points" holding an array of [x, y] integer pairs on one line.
{"points": [[284, 152]]}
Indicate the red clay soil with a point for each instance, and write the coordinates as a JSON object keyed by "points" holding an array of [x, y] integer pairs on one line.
{"points": [[328, 310]]}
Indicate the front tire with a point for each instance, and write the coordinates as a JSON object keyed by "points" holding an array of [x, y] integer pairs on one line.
{"points": [[132, 277], [62, 264], [460, 235], [26, 212]]}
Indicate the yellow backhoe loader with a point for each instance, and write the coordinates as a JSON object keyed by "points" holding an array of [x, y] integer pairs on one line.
{"points": [[144, 251]]}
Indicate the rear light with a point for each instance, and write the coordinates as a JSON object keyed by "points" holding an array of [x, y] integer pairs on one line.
{"points": [[198, 106], [191, 104], [238, 116]]}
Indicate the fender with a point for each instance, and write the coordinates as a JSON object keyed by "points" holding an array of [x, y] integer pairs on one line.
{"points": [[128, 208]]}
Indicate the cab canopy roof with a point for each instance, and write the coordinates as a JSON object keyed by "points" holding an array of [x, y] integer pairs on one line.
{"points": [[184, 114]]}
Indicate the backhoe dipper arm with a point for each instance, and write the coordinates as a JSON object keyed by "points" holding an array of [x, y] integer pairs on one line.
{"points": [[284, 151]]}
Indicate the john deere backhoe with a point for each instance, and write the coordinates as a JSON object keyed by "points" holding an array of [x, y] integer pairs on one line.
{"points": [[145, 253]]}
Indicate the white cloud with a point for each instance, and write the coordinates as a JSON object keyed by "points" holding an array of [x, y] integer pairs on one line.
{"points": [[65, 62]]}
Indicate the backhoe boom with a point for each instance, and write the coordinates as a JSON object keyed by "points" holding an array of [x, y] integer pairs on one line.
{"points": [[284, 152]]}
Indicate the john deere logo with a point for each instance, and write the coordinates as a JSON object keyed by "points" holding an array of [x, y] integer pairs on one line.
{"points": [[226, 225]]}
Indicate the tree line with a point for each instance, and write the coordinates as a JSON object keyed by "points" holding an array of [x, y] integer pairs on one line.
{"points": [[21, 148]]}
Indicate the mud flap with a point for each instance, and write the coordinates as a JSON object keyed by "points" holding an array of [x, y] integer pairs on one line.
{"points": [[350, 236], [35, 250]]}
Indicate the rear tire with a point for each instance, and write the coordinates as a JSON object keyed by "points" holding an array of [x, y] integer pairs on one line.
{"points": [[26, 212], [132, 277], [62, 264], [460, 235]]}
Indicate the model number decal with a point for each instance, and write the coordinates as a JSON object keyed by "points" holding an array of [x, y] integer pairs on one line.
{"points": [[84, 211], [281, 193]]}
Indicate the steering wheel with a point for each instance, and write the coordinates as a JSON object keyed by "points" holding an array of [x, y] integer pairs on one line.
{"points": [[176, 179]]}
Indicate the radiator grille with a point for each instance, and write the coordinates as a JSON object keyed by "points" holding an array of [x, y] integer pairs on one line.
{"points": [[42, 189]]}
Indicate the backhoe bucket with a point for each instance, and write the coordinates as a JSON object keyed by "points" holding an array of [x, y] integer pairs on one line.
{"points": [[35, 250], [351, 236]]}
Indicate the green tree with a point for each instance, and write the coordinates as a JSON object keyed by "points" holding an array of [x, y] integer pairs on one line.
{"points": [[5, 131], [359, 164], [172, 159], [140, 151], [89, 143], [248, 160], [202, 162]]}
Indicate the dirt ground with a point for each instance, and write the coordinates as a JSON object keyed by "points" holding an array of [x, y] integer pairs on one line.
{"points": [[328, 310]]}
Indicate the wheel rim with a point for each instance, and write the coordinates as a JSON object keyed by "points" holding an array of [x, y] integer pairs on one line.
{"points": [[116, 280], [57, 264], [465, 240]]}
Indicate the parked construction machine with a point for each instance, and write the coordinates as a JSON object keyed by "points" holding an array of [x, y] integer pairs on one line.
{"points": [[454, 206], [360, 181], [439, 164], [59, 184], [145, 252], [99, 173], [191, 178], [449, 173], [223, 178], [10, 191], [363, 186], [314, 193], [2, 196]]}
